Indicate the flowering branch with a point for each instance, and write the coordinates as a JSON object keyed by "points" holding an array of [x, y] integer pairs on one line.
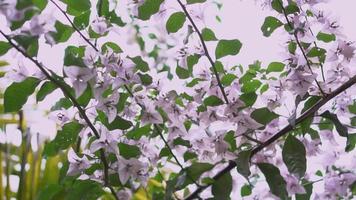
{"points": [[281, 133], [73, 25], [73, 100], [300, 46], [206, 52]]}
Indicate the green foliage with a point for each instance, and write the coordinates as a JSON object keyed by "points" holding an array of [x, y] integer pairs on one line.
{"points": [[275, 67], [140, 64], [29, 43], [137, 133], [118, 123], [175, 22], [325, 37], [82, 21], [246, 190], [227, 79], [129, 151], [16, 94], [149, 8], [243, 163], [63, 32], [227, 47], [270, 25], [308, 186], [341, 129], [195, 1], [263, 115], [77, 7], [222, 187], [294, 156], [213, 101], [4, 47], [248, 98], [208, 35], [64, 138], [47, 88], [274, 179], [73, 56]]}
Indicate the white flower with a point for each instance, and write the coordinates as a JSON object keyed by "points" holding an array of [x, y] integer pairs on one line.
{"points": [[59, 116], [76, 164], [79, 77]]}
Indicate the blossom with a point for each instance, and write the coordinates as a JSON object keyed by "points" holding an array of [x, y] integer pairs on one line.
{"points": [[108, 106], [132, 168], [60, 117], [107, 141], [124, 194], [79, 77], [150, 115], [76, 164], [18, 75], [99, 26], [293, 187]]}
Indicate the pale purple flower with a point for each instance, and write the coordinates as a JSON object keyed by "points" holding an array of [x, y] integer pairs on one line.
{"points": [[132, 168], [124, 194], [18, 75], [79, 76], [108, 106], [76, 164], [293, 186], [107, 141], [150, 115]]}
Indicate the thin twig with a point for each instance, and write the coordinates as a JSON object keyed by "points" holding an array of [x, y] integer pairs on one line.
{"points": [[205, 50], [72, 99], [75, 27], [281, 133]]}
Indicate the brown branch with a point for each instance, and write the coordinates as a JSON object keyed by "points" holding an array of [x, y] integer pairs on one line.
{"points": [[281, 133], [205, 50], [73, 100]]}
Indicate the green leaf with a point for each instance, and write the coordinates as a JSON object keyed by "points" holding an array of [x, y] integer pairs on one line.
{"points": [[269, 25], [78, 5], [82, 21], [47, 88], [274, 179], [310, 103], [213, 101], [222, 187], [182, 73], [227, 79], [227, 47], [64, 138], [16, 94], [149, 8], [275, 67], [251, 86], [316, 52], [208, 35], [175, 22], [41, 4], [195, 1], [84, 190], [326, 37], [29, 43], [129, 151], [137, 133], [263, 116], [4, 47], [340, 128], [113, 46], [248, 98], [351, 142], [276, 5], [140, 64], [49, 192], [246, 190], [243, 163], [102, 7], [73, 56], [294, 156], [146, 79], [195, 170], [63, 32]]}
